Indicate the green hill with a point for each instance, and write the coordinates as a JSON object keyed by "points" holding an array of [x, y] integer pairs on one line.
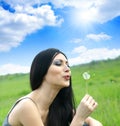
{"points": [[103, 85]]}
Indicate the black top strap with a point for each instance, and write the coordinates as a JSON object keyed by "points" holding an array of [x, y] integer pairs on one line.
{"points": [[19, 101]]}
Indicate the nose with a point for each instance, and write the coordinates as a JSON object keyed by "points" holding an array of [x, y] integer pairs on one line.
{"points": [[67, 68]]}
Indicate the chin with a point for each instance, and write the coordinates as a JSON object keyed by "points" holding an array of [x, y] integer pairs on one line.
{"points": [[67, 84], [64, 84]]}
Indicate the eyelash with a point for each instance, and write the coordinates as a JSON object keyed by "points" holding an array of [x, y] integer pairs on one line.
{"points": [[59, 63]]}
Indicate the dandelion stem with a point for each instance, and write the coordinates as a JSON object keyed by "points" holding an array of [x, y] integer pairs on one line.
{"points": [[86, 86]]}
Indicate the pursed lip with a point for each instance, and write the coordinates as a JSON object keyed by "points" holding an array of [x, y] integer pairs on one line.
{"points": [[66, 77]]}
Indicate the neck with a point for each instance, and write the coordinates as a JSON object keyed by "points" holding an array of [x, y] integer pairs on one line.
{"points": [[45, 95]]}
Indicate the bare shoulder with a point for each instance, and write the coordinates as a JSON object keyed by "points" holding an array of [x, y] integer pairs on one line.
{"points": [[26, 106], [26, 113]]}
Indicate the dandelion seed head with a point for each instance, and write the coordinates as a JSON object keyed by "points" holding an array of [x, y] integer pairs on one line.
{"points": [[86, 75]]}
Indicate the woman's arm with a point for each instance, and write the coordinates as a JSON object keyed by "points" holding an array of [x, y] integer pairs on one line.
{"points": [[93, 122], [85, 108]]}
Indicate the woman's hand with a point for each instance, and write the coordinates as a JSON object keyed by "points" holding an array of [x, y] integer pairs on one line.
{"points": [[86, 107]]}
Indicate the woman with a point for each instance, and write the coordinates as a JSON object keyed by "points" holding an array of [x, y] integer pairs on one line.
{"points": [[51, 101]]}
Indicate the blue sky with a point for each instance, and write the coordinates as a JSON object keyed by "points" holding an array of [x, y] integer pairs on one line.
{"points": [[85, 30]]}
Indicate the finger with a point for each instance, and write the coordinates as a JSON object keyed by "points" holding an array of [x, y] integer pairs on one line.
{"points": [[90, 99], [95, 104], [91, 103], [86, 97], [92, 106]]}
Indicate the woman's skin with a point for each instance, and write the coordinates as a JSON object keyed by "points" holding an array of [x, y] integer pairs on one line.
{"points": [[29, 113]]}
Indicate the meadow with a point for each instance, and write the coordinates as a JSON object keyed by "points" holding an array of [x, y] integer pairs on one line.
{"points": [[103, 85]]}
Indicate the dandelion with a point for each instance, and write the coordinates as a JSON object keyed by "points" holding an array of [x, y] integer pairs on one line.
{"points": [[86, 77]]}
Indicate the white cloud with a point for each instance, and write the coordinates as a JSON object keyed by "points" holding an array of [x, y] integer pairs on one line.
{"points": [[99, 37], [88, 55], [93, 11], [14, 27], [13, 68], [76, 40], [80, 49]]}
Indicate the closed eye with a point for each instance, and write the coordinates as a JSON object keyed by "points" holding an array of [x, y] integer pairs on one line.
{"points": [[57, 62], [60, 62]]}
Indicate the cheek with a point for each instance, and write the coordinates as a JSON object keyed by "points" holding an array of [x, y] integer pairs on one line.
{"points": [[53, 70], [53, 74]]}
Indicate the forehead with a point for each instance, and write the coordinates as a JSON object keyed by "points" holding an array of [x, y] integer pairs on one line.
{"points": [[60, 56]]}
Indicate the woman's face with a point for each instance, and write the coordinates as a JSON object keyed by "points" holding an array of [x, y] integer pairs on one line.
{"points": [[59, 72]]}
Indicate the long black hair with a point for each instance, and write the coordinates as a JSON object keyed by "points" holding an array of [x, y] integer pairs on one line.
{"points": [[61, 110]]}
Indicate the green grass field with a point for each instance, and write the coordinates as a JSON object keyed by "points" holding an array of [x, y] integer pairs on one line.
{"points": [[104, 86]]}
